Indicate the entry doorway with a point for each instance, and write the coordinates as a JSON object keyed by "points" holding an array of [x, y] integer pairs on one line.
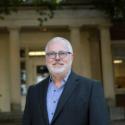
{"points": [[33, 70]]}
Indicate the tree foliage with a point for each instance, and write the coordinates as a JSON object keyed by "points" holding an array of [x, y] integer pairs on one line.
{"points": [[115, 9], [9, 6]]}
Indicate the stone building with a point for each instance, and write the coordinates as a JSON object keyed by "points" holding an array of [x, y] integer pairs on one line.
{"points": [[96, 42]]}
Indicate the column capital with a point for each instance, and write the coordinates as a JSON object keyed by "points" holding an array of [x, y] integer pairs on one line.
{"points": [[13, 27], [76, 26], [103, 26]]}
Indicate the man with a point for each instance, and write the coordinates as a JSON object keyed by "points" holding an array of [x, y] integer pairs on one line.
{"points": [[64, 98]]}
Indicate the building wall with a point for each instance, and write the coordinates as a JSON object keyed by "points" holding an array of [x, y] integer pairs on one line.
{"points": [[37, 39], [24, 32]]}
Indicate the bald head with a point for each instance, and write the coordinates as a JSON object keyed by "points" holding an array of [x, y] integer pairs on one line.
{"points": [[59, 40]]}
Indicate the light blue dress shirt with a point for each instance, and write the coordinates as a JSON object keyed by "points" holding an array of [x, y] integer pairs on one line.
{"points": [[53, 95]]}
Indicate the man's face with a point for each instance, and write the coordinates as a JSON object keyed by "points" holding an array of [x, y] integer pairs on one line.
{"points": [[58, 58]]}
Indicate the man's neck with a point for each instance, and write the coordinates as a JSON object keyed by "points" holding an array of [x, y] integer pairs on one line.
{"points": [[57, 78]]}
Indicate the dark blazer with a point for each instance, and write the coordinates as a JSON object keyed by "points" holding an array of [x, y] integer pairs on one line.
{"points": [[81, 103]]}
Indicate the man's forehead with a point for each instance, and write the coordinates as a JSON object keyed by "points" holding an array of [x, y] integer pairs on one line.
{"points": [[58, 43], [55, 44]]}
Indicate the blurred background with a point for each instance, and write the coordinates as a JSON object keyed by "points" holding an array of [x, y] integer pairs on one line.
{"points": [[96, 30]]}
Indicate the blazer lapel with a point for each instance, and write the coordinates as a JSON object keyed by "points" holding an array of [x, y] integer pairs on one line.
{"points": [[69, 87], [43, 106]]}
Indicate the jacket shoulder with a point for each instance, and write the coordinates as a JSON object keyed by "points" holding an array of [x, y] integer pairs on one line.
{"points": [[88, 82]]}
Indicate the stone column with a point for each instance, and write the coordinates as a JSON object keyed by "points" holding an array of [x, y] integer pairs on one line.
{"points": [[15, 68], [81, 48], [85, 54], [29, 68], [75, 41], [107, 66]]}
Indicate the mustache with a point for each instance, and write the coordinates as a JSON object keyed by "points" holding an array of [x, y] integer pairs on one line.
{"points": [[58, 62]]}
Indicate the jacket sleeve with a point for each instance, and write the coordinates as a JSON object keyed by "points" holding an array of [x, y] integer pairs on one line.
{"points": [[26, 120], [98, 110]]}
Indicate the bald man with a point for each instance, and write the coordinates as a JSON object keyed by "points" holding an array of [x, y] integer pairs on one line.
{"points": [[64, 98]]}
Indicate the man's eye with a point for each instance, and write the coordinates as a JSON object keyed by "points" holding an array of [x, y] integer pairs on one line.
{"points": [[62, 53], [49, 54], [52, 54]]}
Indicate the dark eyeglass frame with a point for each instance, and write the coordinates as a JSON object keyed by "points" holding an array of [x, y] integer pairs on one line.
{"points": [[61, 54]]}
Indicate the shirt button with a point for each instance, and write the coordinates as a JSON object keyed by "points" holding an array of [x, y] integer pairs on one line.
{"points": [[54, 101], [54, 90]]}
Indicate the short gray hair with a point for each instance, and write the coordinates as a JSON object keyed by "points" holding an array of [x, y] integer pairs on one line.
{"points": [[61, 39]]}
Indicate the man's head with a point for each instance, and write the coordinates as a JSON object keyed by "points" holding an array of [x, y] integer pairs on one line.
{"points": [[59, 56]]}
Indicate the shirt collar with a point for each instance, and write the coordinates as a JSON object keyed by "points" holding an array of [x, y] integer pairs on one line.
{"points": [[67, 76]]}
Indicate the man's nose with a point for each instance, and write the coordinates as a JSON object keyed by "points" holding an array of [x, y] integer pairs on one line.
{"points": [[57, 56]]}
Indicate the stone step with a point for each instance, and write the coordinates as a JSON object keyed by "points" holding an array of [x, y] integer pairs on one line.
{"points": [[10, 118], [10, 123], [118, 122], [117, 113]]}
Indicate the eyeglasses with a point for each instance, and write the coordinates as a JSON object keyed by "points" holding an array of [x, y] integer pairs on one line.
{"points": [[61, 54]]}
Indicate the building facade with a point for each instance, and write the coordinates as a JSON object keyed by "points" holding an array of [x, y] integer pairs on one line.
{"points": [[87, 30]]}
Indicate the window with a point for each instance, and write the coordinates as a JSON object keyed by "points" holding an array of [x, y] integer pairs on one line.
{"points": [[119, 65]]}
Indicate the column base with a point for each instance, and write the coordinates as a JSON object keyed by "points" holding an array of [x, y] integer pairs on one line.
{"points": [[111, 102], [15, 107]]}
